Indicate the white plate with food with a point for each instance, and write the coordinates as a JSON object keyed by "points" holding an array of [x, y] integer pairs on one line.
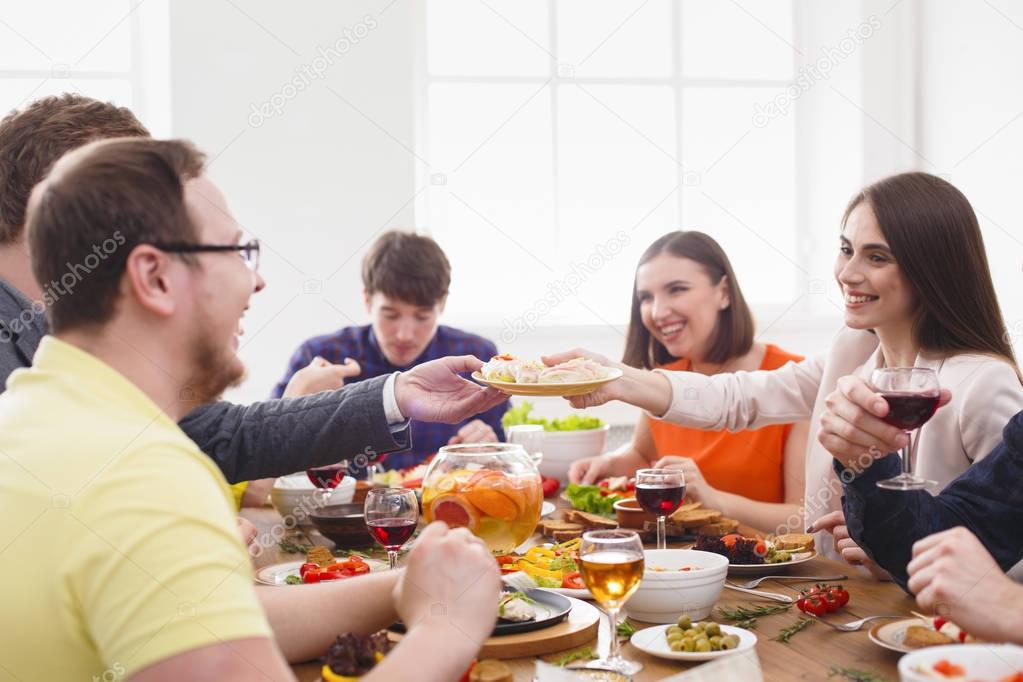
{"points": [[910, 634], [767, 569], [514, 376], [279, 574], [654, 641]]}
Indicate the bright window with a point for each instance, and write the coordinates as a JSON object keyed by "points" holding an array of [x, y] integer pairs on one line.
{"points": [[552, 128]]}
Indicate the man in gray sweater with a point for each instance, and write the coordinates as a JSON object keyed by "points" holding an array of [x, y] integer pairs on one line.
{"points": [[247, 442]]}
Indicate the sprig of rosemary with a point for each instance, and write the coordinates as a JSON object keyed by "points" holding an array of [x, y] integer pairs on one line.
{"points": [[746, 616], [788, 633], [625, 629], [573, 656], [856, 675], [289, 547]]}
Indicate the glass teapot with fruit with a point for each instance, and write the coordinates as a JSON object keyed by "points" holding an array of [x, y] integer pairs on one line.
{"points": [[492, 489]]}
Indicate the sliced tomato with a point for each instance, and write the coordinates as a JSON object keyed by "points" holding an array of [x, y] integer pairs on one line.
{"points": [[312, 577], [413, 483], [573, 581], [507, 559], [330, 575], [948, 669], [730, 540], [305, 568]]}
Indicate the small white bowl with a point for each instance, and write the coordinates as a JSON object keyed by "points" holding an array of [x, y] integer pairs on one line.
{"points": [[980, 661], [295, 498], [665, 595], [561, 448]]}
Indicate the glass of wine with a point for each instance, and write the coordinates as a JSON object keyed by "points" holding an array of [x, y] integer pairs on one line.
{"points": [[912, 394], [611, 565], [391, 518], [327, 478], [660, 492]]}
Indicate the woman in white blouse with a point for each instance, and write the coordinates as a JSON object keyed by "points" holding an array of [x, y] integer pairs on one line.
{"points": [[918, 292]]}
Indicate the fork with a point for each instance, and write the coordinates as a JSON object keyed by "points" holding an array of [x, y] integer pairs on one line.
{"points": [[853, 625], [774, 596], [752, 584]]}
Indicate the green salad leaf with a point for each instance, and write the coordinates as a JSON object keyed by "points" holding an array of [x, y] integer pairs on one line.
{"points": [[519, 414], [588, 498]]}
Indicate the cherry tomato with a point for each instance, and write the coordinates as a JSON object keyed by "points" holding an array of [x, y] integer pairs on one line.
{"points": [[549, 486], [812, 604], [761, 548], [831, 603], [573, 581], [304, 568], [841, 594]]}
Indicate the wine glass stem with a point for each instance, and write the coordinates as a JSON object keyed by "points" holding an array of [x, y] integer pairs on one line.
{"points": [[662, 543], [392, 557], [612, 617], [907, 449]]}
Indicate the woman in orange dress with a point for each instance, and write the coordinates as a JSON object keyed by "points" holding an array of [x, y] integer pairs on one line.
{"points": [[689, 314]]}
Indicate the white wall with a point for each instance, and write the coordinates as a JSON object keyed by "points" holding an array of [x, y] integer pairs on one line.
{"points": [[316, 182]]}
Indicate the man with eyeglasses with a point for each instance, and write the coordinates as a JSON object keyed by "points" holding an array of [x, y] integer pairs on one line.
{"points": [[247, 442], [120, 556]]}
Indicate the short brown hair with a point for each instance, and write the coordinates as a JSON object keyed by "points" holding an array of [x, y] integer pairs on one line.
{"points": [[408, 267], [97, 204], [934, 235], [31, 141], [733, 333]]}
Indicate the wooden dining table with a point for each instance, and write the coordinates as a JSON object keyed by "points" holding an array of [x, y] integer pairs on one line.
{"points": [[811, 654]]}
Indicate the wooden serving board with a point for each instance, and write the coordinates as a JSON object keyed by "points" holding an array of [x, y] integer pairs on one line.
{"points": [[579, 628]]}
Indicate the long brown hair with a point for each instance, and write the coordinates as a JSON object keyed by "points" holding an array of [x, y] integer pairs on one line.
{"points": [[933, 232], [733, 333]]}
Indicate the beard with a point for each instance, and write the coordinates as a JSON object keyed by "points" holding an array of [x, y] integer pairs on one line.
{"points": [[214, 368]]}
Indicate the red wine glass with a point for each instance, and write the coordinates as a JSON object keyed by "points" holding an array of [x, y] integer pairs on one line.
{"points": [[660, 492], [391, 518], [912, 394]]}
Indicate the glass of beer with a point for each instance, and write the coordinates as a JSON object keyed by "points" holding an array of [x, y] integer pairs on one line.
{"points": [[611, 564]]}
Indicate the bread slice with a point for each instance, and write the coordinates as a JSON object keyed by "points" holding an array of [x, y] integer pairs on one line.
{"points": [[919, 636], [548, 526], [697, 518], [566, 535], [794, 541], [588, 520], [719, 528], [687, 507]]}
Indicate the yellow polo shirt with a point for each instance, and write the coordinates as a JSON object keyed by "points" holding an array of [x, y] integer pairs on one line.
{"points": [[118, 544]]}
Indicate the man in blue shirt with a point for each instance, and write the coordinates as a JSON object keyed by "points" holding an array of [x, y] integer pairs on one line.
{"points": [[405, 278]]}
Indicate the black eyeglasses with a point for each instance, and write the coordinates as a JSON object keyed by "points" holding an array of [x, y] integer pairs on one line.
{"points": [[250, 250]]}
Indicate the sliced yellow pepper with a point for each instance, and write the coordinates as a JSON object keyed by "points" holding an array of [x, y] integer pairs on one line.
{"points": [[533, 570]]}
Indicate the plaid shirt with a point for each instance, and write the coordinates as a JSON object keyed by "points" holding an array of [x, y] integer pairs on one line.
{"points": [[987, 499], [360, 344]]}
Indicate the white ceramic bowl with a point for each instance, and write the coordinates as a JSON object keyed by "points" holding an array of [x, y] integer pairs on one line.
{"points": [[295, 496], [561, 448], [665, 595], [981, 661]]}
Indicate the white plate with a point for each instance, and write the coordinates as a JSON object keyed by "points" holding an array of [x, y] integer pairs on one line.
{"points": [[278, 573], [767, 569], [547, 509], [552, 389], [653, 641], [890, 635]]}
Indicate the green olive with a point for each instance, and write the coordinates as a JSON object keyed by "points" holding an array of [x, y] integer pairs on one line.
{"points": [[691, 632], [673, 629], [675, 637], [685, 622], [703, 645], [713, 629], [729, 642], [675, 645], [715, 640], [700, 626], [688, 644]]}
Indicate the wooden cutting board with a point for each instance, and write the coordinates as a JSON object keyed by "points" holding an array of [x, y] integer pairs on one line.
{"points": [[579, 628]]}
